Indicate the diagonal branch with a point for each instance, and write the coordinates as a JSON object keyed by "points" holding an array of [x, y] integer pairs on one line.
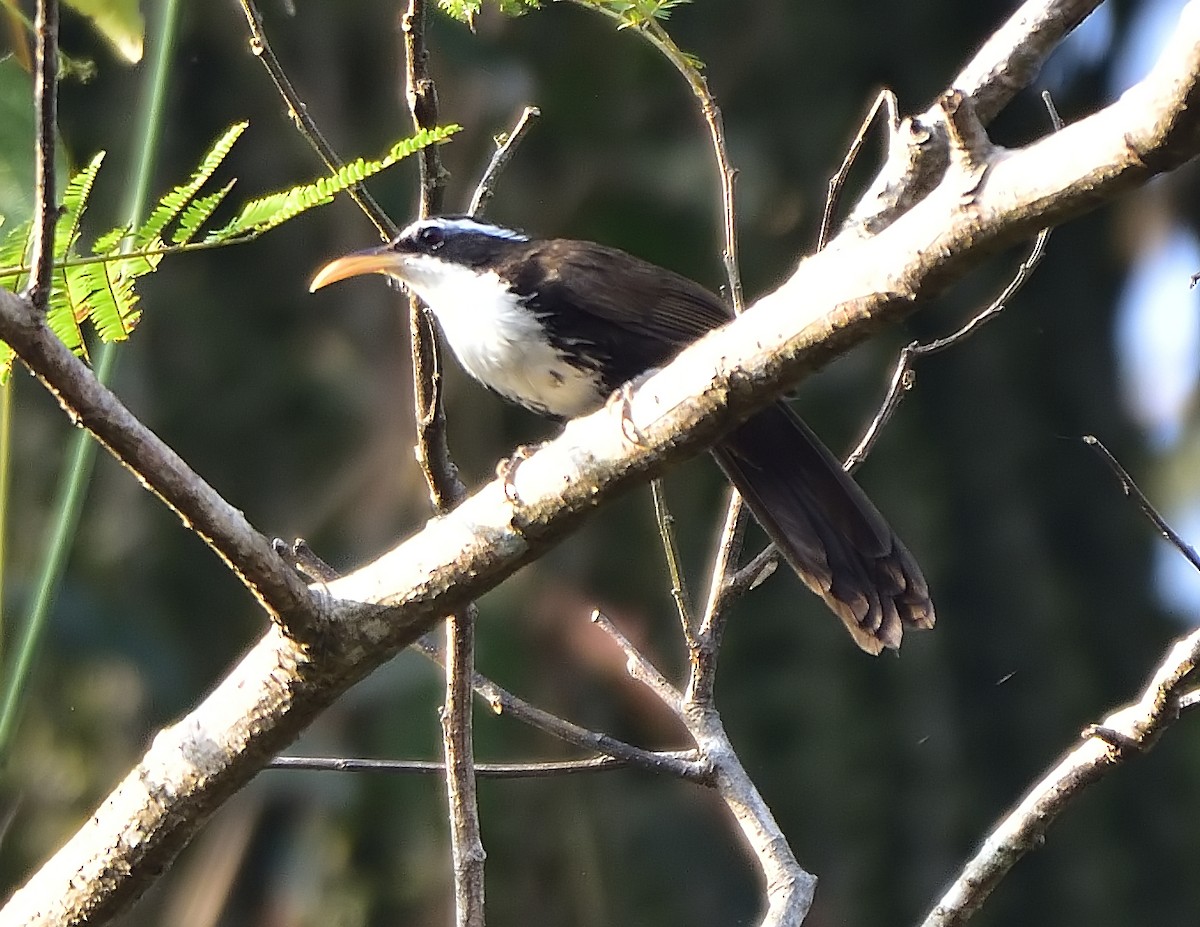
{"points": [[987, 200], [91, 404]]}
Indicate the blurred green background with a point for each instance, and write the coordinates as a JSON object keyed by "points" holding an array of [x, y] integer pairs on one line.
{"points": [[884, 773]]}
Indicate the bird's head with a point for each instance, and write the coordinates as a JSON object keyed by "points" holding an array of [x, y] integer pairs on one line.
{"points": [[426, 252]]}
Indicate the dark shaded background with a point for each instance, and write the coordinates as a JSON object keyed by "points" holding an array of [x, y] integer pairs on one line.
{"points": [[885, 773]]}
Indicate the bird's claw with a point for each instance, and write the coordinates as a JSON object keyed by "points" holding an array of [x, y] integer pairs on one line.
{"points": [[506, 469], [622, 401]]}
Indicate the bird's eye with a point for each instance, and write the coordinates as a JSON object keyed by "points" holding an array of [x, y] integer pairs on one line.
{"points": [[431, 237]]}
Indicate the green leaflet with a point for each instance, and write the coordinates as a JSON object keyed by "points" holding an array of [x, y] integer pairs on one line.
{"points": [[100, 289]]}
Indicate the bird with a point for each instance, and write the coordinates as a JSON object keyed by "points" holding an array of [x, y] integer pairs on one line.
{"points": [[559, 325]]}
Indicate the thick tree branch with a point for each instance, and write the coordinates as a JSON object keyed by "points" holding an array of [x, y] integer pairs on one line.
{"points": [[1014, 54], [91, 404], [918, 146], [987, 200]]}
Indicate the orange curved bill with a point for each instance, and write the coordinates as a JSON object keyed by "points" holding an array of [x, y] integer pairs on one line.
{"points": [[370, 261]]}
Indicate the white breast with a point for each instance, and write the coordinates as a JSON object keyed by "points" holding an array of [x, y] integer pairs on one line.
{"points": [[498, 342]]}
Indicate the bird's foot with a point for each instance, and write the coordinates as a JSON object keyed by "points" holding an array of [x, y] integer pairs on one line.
{"points": [[622, 401], [506, 469]]}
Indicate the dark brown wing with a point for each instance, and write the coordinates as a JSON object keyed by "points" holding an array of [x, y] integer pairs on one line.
{"points": [[623, 291]]}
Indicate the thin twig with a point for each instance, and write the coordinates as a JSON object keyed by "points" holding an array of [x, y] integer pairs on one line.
{"points": [[653, 32], [681, 764], [298, 111], [505, 148], [724, 565], [706, 645], [419, 767], [1133, 491], [885, 99], [666, 533], [639, 667], [445, 490], [45, 104], [758, 569], [904, 374]]}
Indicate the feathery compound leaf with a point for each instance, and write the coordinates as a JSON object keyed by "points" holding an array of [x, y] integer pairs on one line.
{"points": [[61, 317], [174, 202], [110, 239], [74, 204], [108, 295], [267, 212], [197, 214], [101, 290], [64, 310], [464, 11], [13, 245]]}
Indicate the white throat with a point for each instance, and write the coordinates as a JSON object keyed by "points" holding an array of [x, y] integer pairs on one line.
{"points": [[498, 341]]}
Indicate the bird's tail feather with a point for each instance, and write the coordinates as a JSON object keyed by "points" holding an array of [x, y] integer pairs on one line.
{"points": [[826, 527]]}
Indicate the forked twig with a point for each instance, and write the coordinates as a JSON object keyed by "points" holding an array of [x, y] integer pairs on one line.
{"points": [[884, 100], [298, 110], [506, 147], [904, 374]]}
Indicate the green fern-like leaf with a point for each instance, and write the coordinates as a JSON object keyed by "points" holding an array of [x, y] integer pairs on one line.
{"points": [[109, 297], [13, 246], [198, 213], [110, 239], [267, 212], [464, 11], [101, 290], [61, 315], [63, 312], [178, 199], [74, 204]]}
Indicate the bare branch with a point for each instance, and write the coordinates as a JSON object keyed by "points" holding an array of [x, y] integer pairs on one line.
{"points": [[639, 667], [445, 490], [45, 106], [833, 300], [505, 149], [1125, 733], [89, 403], [885, 100], [918, 146], [1133, 491], [546, 770], [666, 534], [307, 126], [1014, 54]]}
